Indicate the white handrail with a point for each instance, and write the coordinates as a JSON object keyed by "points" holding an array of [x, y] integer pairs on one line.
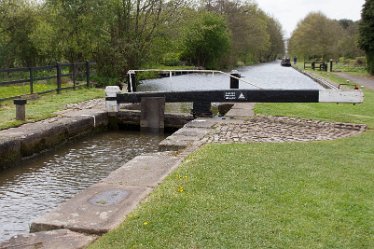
{"points": [[192, 71]]}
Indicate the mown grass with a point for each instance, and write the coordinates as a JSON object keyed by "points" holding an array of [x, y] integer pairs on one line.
{"points": [[45, 106], [265, 195], [17, 90], [359, 113]]}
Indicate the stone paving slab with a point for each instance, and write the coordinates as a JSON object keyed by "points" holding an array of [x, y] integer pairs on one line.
{"points": [[144, 171], [192, 132], [57, 239], [201, 123], [281, 129], [96, 210], [240, 111]]}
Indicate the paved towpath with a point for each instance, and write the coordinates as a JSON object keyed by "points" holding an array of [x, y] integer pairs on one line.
{"points": [[361, 80]]}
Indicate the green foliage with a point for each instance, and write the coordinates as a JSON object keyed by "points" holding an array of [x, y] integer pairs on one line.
{"points": [[171, 59], [206, 41], [122, 35], [17, 21], [316, 37], [367, 33], [102, 81]]}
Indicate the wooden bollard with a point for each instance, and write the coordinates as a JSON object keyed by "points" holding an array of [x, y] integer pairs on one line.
{"points": [[234, 82], [152, 113], [20, 109]]}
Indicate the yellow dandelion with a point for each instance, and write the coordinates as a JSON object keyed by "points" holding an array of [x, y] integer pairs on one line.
{"points": [[145, 223], [180, 189]]}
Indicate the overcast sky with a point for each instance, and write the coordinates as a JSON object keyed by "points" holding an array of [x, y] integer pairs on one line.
{"points": [[290, 12]]}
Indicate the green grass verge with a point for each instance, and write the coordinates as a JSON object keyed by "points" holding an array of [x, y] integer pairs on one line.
{"points": [[45, 106], [360, 113], [22, 89], [265, 195]]}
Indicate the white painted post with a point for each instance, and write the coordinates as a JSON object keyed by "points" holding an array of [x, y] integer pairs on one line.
{"points": [[111, 98]]}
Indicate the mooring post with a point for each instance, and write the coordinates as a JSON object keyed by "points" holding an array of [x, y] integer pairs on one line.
{"points": [[131, 84], [234, 79], [111, 103], [20, 109], [152, 113]]}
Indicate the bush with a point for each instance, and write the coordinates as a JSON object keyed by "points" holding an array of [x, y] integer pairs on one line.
{"points": [[102, 81], [171, 59], [360, 61]]}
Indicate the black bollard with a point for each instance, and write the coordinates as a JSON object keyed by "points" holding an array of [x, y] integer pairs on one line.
{"points": [[131, 84], [20, 109], [234, 82]]}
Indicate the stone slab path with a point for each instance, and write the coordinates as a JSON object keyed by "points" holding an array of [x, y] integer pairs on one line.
{"points": [[363, 81]]}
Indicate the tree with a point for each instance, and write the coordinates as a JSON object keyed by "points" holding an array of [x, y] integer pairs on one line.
{"points": [[366, 40], [316, 36], [348, 43], [18, 19], [206, 41], [276, 40]]}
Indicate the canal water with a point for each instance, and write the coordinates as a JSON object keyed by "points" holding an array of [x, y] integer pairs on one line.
{"points": [[40, 184], [265, 76]]}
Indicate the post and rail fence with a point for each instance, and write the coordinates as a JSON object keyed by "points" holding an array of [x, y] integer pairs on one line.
{"points": [[322, 66], [27, 78]]}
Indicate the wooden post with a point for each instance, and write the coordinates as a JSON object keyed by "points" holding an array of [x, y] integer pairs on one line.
{"points": [[59, 81], [234, 82], [330, 65], [152, 113], [201, 109], [31, 81], [74, 75], [20, 109], [88, 73], [131, 84]]}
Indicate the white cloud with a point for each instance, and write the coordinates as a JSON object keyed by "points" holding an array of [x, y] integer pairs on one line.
{"points": [[290, 12]]}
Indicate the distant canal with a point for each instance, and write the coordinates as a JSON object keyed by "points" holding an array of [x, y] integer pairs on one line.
{"points": [[266, 76], [40, 184]]}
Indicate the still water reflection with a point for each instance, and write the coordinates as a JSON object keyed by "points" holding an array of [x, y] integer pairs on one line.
{"points": [[266, 76], [41, 184]]}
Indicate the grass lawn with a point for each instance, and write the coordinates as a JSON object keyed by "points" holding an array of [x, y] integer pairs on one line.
{"points": [[45, 106], [265, 195]]}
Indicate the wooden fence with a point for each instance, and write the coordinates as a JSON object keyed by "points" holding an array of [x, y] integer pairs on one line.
{"points": [[322, 66], [58, 77]]}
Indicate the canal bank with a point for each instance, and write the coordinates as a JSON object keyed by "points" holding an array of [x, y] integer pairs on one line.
{"points": [[104, 205]]}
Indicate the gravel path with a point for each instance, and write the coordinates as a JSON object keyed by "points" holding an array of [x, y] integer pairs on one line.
{"points": [[364, 81]]}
